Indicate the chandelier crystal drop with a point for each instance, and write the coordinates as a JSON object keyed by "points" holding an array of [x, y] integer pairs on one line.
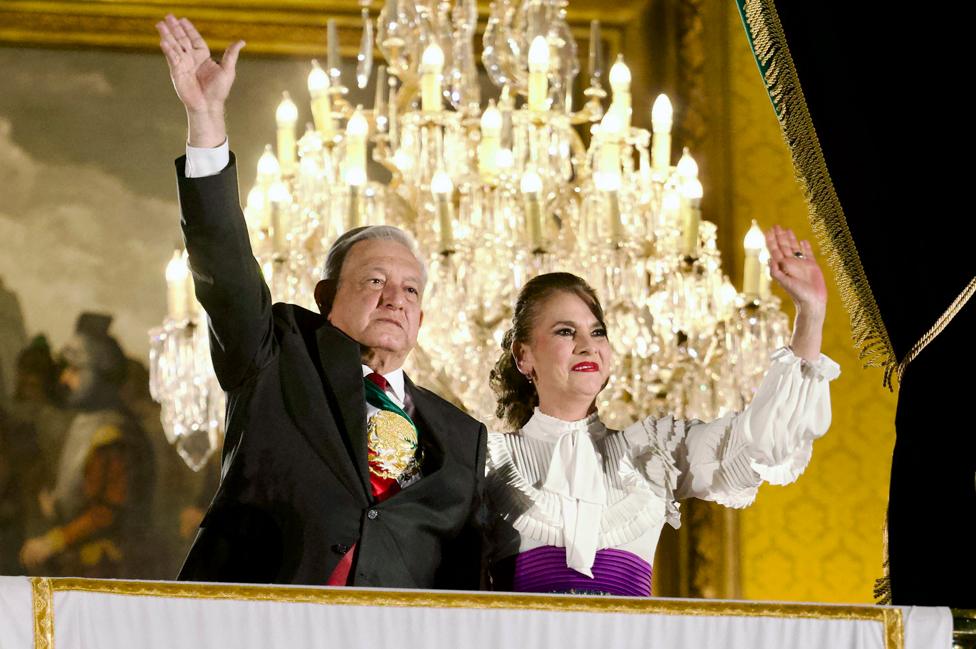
{"points": [[495, 193]]}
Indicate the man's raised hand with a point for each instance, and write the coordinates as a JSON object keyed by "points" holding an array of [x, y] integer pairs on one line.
{"points": [[201, 83]]}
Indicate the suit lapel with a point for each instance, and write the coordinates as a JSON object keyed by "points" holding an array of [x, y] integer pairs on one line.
{"points": [[424, 412], [340, 360]]}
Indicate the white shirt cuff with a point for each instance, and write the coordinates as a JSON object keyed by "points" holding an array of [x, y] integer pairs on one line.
{"points": [[206, 161]]}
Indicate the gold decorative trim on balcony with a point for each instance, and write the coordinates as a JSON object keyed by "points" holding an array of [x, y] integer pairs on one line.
{"points": [[44, 588]]}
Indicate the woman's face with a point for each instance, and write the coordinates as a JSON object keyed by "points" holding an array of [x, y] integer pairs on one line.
{"points": [[568, 356]]}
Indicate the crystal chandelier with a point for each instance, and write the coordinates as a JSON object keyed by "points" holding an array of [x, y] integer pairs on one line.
{"points": [[495, 194]]}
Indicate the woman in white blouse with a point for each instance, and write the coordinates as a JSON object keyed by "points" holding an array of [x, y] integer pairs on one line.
{"points": [[576, 507]]}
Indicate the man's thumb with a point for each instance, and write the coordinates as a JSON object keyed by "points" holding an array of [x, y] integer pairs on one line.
{"points": [[229, 60]]}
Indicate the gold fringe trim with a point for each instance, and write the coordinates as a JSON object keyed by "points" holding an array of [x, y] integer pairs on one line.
{"points": [[42, 594], [826, 213], [882, 585], [891, 618], [939, 325]]}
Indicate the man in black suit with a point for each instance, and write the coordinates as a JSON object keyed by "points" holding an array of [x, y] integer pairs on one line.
{"points": [[336, 469]]}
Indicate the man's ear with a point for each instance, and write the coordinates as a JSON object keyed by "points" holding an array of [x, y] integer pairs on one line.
{"points": [[325, 292]]}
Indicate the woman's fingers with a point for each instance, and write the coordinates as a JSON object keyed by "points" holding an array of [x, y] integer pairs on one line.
{"points": [[807, 249], [794, 245], [772, 243]]}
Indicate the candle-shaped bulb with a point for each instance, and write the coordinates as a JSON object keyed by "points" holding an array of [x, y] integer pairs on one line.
{"points": [[754, 240], [491, 121], [671, 202], [611, 126], [620, 76], [403, 161], [442, 188], [177, 269], [531, 186], [279, 198], [431, 66], [278, 193], [433, 57], [287, 113], [661, 118], [662, 114], [531, 182], [355, 176], [318, 88], [268, 166], [611, 132], [687, 167], [357, 125], [692, 189], [538, 73], [753, 244], [255, 198], [179, 286], [491, 130], [607, 181], [441, 184], [286, 116], [257, 208], [539, 55], [356, 130], [318, 80], [505, 159], [691, 192]]}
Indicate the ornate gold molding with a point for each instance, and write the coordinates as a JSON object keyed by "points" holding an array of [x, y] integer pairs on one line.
{"points": [[287, 27], [43, 605]]}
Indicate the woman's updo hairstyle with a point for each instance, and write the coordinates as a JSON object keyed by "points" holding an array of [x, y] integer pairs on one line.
{"points": [[515, 395]]}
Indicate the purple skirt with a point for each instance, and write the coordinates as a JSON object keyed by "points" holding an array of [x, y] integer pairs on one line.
{"points": [[615, 572]]}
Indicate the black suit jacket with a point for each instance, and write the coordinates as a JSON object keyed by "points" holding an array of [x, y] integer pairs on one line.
{"points": [[294, 492]]}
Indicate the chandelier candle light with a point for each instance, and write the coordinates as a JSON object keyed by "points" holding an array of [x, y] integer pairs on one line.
{"points": [[495, 196]]}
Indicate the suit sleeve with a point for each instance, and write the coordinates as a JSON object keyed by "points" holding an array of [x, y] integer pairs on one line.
{"points": [[228, 280], [465, 565]]}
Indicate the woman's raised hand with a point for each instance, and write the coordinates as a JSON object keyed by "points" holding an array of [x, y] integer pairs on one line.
{"points": [[794, 266]]}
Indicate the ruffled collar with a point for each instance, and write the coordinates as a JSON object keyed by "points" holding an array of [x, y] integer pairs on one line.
{"points": [[550, 429]]}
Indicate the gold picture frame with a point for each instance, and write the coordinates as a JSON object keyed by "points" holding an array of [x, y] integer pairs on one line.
{"points": [[287, 27]]}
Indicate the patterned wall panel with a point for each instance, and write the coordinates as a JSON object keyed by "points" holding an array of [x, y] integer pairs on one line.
{"points": [[819, 539]]}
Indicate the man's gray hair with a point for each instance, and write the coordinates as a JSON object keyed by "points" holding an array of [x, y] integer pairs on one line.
{"points": [[342, 246]]}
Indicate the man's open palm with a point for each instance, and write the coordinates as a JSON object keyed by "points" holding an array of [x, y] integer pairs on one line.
{"points": [[201, 83]]}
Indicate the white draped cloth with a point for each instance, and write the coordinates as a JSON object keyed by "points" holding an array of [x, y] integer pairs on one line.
{"points": [[152, 616], [581, 486]]}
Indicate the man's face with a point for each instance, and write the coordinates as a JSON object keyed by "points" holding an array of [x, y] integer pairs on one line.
{"points": [[78, 380], [378, 299]]}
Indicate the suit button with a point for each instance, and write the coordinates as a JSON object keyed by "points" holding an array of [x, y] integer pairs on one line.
{"points": [[372, 514], [340, 548]]}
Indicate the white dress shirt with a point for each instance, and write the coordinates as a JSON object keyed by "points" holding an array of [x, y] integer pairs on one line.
{"points": [[204, 161]]}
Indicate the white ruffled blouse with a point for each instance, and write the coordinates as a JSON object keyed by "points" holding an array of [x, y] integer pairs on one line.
{"points": [[581, 486]]}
